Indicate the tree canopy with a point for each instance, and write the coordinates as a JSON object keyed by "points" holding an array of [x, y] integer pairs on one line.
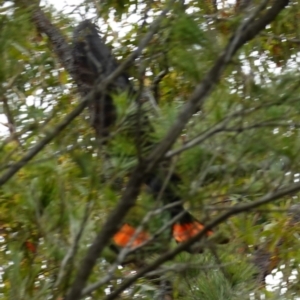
{"points": [[207, 90]]}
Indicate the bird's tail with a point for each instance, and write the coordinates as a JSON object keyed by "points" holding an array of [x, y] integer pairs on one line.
{"points": [[185, 227]]}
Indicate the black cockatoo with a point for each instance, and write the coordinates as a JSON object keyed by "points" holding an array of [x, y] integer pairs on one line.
{"points": [[93, 61]]}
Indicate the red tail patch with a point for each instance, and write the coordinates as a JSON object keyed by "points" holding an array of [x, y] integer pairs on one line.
{"points": [[123, 236], [183, 232]]}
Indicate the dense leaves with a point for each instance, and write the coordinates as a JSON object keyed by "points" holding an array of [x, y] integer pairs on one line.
{"points": [[241, 145]]}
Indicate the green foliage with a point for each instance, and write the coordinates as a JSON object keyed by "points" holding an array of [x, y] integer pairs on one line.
{"points": [[249, 130]]}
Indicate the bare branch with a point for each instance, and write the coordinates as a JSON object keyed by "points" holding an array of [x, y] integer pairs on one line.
{"points": [[11, 121], [247, 31], [156, 82], [222, 127]]}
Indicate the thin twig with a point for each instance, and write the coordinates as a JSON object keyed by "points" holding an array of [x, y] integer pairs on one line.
{"points": [[282, 39], [69, 257], [222, 127], [156, 82]]}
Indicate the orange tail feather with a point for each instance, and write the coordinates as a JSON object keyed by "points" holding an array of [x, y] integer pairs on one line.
{"points": [[185, 231], [123, 237]]}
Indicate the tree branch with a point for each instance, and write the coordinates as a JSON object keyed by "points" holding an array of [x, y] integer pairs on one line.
{"points": [[247, 31]]}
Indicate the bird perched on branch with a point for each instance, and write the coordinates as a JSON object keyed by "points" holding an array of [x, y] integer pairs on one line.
{"points": [[93, 62]]}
